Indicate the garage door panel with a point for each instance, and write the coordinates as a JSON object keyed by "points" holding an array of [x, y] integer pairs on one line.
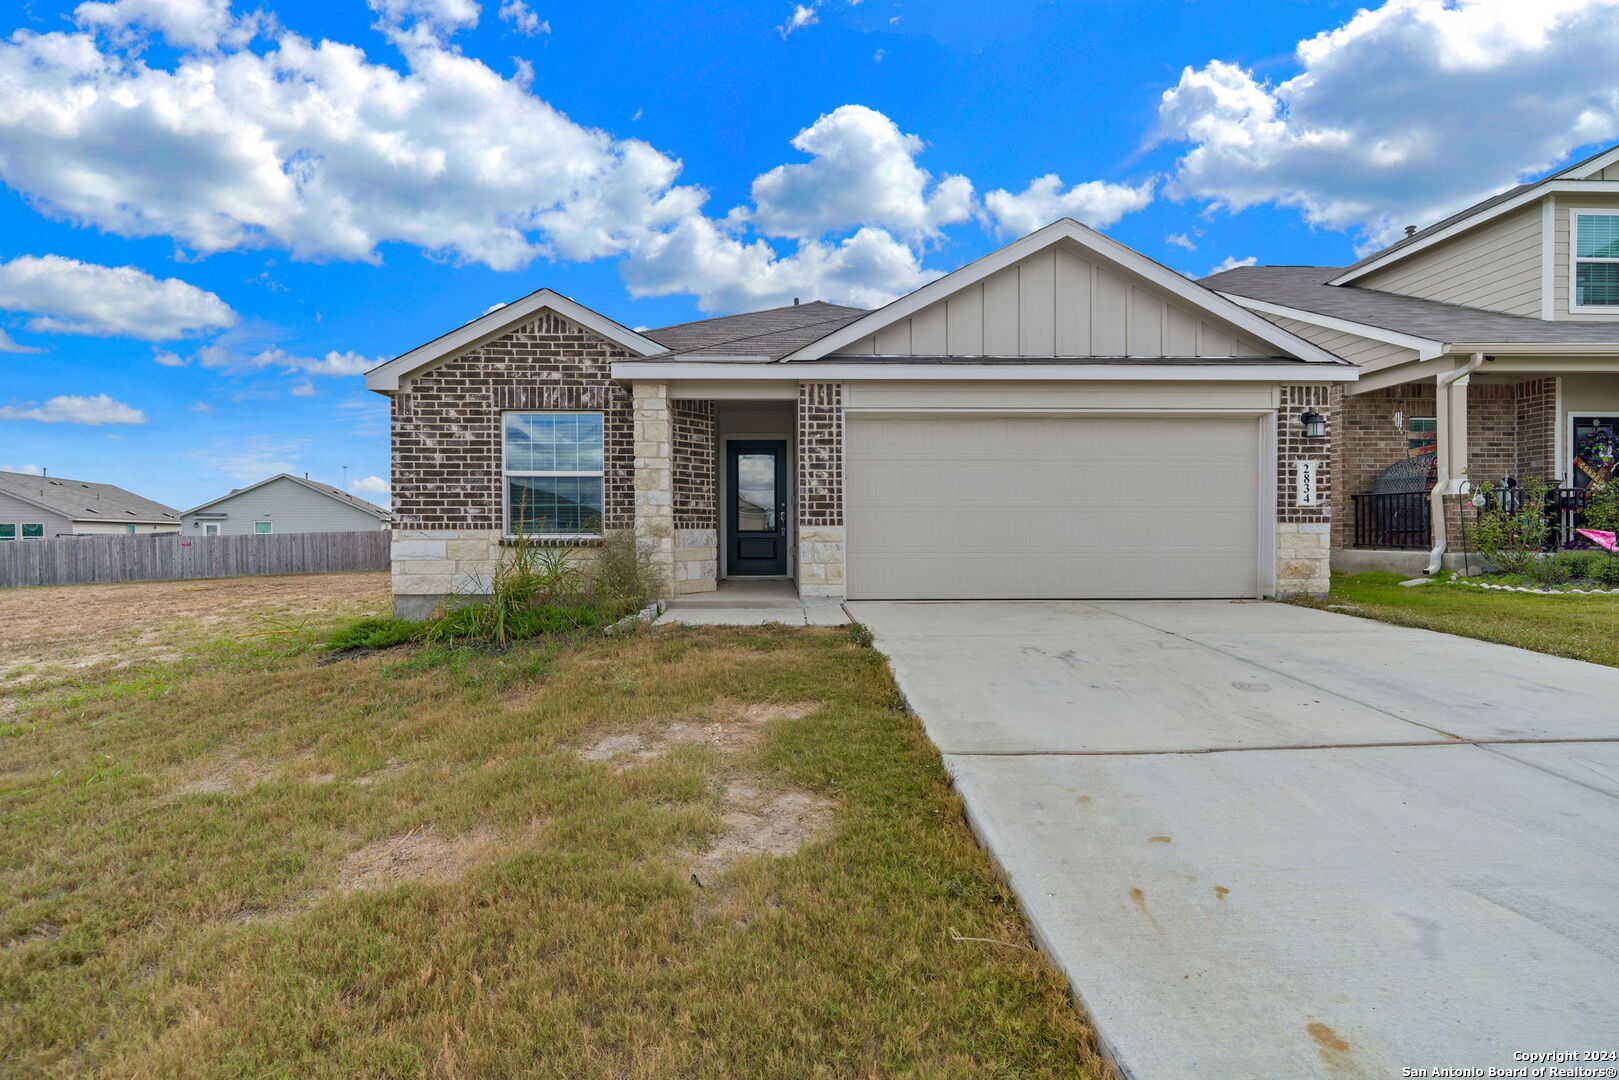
{"points": [[1025, 508]]}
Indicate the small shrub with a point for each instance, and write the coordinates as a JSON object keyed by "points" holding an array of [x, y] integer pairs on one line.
{"points": [[1580, 565], [1550, 570], [1607, 572], [860, 634], [622, 575], [470, 623], [1511, 528], [375, 632]]}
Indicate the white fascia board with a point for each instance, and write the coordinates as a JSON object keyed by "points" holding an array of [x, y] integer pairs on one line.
{"points": [[653, 371], [1426, 348], [1539, 191], [385, 378], [1599, 349], [1592, 166], [1096, 243]]}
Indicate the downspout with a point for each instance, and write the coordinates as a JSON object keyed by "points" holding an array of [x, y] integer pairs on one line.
{"points": [[1441, 488]]}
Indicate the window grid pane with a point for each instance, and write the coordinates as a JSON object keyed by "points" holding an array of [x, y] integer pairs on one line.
{"points": [[34, 532], [1598, 236], [1596, 285], [555, 505], [553, 442], [8, 532]]}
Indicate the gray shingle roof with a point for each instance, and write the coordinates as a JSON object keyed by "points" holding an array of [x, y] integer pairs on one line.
{"points": [[81, 500], [382, 513], [1306, 287], [770, 334]]}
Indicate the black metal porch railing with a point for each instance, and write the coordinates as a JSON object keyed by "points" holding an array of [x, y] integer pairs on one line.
{"points": [[1394, 520], [1565, 512]]}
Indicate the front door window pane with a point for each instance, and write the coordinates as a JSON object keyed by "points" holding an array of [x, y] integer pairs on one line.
{"points": [[756, 492]]}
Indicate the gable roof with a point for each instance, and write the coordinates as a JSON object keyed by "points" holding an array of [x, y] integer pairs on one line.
{"points": [[385, 377], [1066, 230], [82, 500], [1575, 177], [769, 334], [1307, 290], [335, 493]]}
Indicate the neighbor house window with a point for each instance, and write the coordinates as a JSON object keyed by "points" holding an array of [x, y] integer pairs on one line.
{"points": [[210, 529], [262, 527], [130, 529], [8, 532], [33, 532], [553, 473], [1596, 261]]}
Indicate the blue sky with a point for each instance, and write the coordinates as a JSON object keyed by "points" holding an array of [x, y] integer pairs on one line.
{"points": [[214, 216]]}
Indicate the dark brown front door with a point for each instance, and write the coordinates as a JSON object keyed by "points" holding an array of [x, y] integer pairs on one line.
{"points": [[756, 507]]}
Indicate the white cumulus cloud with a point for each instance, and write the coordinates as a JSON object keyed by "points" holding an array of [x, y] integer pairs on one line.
{"points": [[863, 172], [523, 19], [802, 15], [66, 296], [370, 485], [1094, 202], [28, 469], [194, 24], [74, 409], [1405, 113], [333, 363], [303, 389], [1231, 262], [8, 344]]}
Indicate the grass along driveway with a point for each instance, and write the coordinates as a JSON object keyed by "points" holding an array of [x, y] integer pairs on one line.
{"points": [[1582, 627], [685, 852]]}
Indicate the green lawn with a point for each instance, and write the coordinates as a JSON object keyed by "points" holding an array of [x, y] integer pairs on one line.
{"points": [[1582, 627], [679, 853]]}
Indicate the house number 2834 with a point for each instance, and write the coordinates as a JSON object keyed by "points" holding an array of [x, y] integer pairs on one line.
{"points": [[1307, 494]]}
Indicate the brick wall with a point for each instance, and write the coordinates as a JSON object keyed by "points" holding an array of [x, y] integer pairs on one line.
{"points": [[1537, 429], [1293, 445], [1509, 430], [820, 454], [696, 504], [447, 469]]}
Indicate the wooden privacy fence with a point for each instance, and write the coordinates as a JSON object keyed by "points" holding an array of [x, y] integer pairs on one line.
{"points": [[75, 560]]}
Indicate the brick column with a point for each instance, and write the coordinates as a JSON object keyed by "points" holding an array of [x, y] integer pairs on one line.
{"points": [[654, 481], [820, 489], [696, 500], [1303, 533]]}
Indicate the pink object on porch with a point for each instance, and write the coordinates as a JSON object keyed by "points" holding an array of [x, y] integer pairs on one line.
{"points": [[1604, 540]]}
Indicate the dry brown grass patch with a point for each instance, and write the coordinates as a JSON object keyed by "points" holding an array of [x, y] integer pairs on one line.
{"points": [[760, 822], [421, 855]]}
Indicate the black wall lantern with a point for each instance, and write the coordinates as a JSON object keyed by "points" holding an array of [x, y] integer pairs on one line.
{"points": [[1315, 425]]}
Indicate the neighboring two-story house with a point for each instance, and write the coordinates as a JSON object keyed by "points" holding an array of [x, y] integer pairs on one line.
{"points": [[1488, 349]]}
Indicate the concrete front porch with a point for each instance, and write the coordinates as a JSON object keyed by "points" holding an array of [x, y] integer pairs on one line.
{"points": [[740, 602]]}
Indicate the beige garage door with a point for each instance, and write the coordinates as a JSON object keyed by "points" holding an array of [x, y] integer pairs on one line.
{"points": [[965, 507]]}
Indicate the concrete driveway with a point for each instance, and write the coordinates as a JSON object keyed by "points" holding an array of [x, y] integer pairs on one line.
{"points": [[1267, 841]]}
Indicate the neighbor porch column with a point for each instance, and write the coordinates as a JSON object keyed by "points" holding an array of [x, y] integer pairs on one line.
{"points": [[654, 481], [1450, 416]]}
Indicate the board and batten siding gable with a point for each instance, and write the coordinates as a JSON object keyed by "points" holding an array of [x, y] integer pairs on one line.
{"points": [[15, 511], [1495, 266], [289, 506], [1367, 354], [1059, 303]]}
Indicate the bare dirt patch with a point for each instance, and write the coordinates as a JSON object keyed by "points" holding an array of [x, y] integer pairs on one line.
{"points": [[775, 823], [737, 730], [233, 774], [114, 625], [422, 854]]}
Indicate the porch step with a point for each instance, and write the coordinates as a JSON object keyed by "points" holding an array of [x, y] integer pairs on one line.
{"points": [[741, 594]]}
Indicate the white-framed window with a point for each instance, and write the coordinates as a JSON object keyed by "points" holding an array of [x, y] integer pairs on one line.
{"points": [[553, 473], [8, 532], [1594, 275], [210, 528], [262, 527], [33, 532], [1421, 433]]}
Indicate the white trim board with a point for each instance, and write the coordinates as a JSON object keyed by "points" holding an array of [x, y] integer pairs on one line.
{"points": [[384, 379], [674, 371], [1095, 244], [1426, 348]]}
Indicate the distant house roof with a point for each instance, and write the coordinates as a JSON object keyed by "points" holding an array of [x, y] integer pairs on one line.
{"points": [[1305, 288], [380, 513], [82, 500], [758, 335]]}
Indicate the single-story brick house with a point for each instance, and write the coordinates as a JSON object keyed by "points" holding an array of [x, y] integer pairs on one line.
{"points": [[1062, 418]]}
